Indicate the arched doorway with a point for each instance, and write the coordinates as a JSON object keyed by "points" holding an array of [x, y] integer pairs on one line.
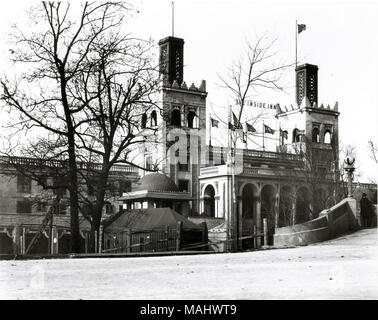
{"points": [[267, 209], [209, 201], [303, 205], [250, 197], [285, 216]]}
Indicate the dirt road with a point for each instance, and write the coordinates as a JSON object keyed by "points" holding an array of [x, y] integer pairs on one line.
{"points": [[344, 268]]}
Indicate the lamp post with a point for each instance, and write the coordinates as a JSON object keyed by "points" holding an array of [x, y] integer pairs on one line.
{"points": [[349, 169]]}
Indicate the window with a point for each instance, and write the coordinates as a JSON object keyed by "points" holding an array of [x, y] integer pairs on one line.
{"points": [[144, 121], [24, 206], [60, 185], [23, 184], [176, 118], [153, 119], [192, 119], [183, 185], [327, 136], [315, 135], [149, 164]]}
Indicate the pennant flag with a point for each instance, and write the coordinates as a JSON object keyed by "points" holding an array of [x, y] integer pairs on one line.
{"points": [[237, 123], [284, 134], [301, 27], [214, 123], [250, 128], [268, 129]]}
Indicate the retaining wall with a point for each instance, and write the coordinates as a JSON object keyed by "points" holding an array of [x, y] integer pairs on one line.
{"points": [[331, 223]]}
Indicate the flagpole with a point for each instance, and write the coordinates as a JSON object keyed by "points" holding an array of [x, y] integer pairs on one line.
{"points": [[296, 42], [230, 161], [210, 126], [173, 19], [263, 136]]}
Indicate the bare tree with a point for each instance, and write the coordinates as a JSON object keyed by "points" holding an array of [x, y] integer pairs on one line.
{"points": [[83, 106], [256, 70]]}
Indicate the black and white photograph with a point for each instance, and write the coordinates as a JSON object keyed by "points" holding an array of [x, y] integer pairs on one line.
{"points": [[188, 151]]}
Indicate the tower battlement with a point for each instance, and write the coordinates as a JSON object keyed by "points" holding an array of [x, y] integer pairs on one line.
{"points": [[184, 87], [306, 105]]}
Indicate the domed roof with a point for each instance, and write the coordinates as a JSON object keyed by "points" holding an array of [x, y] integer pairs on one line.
{"points": [[156, 182]]}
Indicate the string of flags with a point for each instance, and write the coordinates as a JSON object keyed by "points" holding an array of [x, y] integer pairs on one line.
{"points": [[237, 125]]}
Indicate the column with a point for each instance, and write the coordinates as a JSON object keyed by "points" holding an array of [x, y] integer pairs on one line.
{"points": [[23, 241], [202, 205], [240, 224], [16, 239], [257, 218], [294, 206], [216, 200], [277, 206]]}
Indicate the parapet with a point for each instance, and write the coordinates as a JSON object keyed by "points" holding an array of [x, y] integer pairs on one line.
{"points": [[193, 88]]}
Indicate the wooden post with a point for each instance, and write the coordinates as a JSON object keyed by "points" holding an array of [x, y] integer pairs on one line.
{"points": [[16, 240], [95, 239], [178, 235], [265, 227], [55, 240], [23, 241], [101, 234], [166, 238], [129, 239]]}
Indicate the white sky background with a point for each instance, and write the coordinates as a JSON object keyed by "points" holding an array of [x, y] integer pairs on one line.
{"points": [[340, 38]]}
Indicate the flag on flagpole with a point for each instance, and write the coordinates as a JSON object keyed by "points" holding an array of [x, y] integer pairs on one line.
{"points": [[250, 128], [237, 123], [301, 27], [214, 123], [268, 129]]}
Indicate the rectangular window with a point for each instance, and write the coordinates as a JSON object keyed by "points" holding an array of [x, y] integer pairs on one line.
{"points": [[60, 184], [23, 206], [23, 184], [183, 185], [149, 164]]}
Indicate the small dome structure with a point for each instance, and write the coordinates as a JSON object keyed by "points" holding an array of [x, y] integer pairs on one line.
{"points": [[156, 182]]}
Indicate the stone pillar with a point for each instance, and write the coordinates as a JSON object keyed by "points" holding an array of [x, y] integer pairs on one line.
{"points": [[294, 206], [23, 241], [16, 239], [216, 209], [258, 221], [240, 224], [202, 205], [277, 207]]}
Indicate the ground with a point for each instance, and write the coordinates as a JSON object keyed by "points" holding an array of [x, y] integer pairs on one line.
{"points": [[344, 268]]}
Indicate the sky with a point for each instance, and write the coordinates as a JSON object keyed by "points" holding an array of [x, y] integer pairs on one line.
{"points": [[340, 38]]}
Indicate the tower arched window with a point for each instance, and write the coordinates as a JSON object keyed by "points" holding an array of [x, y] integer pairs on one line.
{"points": [[176, 118], [327, 136], [192, 119], [153, 118], [144, 121], [315, 135], [295, 135]]}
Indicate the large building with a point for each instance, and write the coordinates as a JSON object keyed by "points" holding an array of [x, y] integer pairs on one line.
{"points": [[288, 180]]}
